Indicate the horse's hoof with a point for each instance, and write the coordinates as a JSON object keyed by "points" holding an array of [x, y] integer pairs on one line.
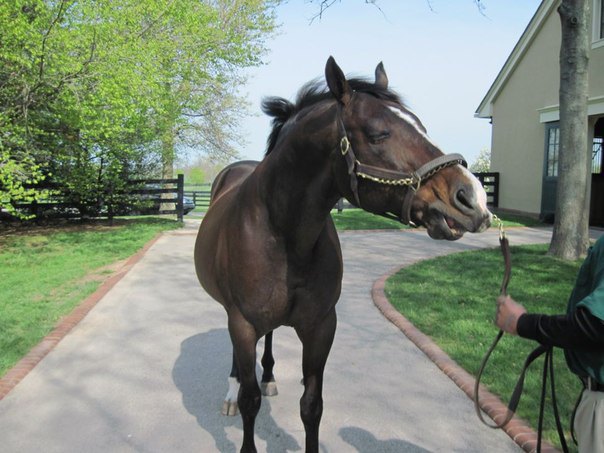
{"points": [[269, 388], [229, 408]]}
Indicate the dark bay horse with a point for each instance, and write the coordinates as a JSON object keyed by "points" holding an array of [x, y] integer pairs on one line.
{"points": [[267, 249]]}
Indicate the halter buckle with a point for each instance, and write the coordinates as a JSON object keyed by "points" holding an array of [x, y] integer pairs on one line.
{"points": [[417, 181], [500, 225], [344, 145]]}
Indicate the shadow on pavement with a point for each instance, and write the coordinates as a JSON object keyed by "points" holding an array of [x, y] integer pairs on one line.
{"points": [[201, 376], [364, 441]]}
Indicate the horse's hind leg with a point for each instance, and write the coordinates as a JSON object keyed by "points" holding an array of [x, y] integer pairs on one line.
{"points": [[268, 384], [316, 346], [244, 339], [229, 407]]}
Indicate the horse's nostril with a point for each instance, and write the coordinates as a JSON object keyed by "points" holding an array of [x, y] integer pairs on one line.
{"points": [[464, 199]]}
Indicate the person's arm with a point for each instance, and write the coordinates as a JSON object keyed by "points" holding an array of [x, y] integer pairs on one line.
{"points": [[580, 330]]}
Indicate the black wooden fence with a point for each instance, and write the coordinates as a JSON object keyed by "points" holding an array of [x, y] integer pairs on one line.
{"points": [[138, 197], [162, 196], [199, 194], [490, 182]]}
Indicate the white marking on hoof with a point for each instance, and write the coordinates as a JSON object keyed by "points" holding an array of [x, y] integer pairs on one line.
{"points": [[229, 406], [269, 388], [230, 409]]}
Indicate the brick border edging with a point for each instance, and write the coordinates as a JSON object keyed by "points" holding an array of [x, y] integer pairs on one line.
{"points": [[18, 372], [520, 432]]}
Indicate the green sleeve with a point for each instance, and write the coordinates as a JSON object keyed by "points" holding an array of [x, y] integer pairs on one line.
{"points": [[594, 301]]}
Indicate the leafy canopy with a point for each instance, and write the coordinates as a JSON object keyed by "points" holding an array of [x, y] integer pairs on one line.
{"points": [[94, 92]]}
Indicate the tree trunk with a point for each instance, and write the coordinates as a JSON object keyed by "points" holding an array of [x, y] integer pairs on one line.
{"points": [[571, 227], [167, 151]]}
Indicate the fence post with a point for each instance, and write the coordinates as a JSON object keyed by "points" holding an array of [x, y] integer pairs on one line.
{"points": [[496, 189], [110, 208], [180, 185], [34, 210], [490, 182]]}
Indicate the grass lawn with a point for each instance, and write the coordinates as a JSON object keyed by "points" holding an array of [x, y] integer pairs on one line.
{"points": [[357, 219], [452, 299], [45, 273]]}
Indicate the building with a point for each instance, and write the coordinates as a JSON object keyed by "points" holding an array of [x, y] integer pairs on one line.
{"points": [[523, 107]]}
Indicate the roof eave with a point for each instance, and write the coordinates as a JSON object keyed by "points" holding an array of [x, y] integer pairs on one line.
{"points": [[485, 108]]}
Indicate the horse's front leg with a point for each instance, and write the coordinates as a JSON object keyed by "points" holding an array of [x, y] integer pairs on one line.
{"points": [[268, 384], [244, 339], [316, 346]]}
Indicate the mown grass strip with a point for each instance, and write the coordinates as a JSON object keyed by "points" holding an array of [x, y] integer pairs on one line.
{"points": [[357, 219], [45, 273], [452, 299]]}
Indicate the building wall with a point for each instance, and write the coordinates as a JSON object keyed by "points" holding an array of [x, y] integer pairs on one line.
{"points": [[596, 73], [518, 135], [518, 139]]}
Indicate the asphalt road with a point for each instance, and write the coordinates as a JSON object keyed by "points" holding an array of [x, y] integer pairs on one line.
{"points": [[146, 370]]}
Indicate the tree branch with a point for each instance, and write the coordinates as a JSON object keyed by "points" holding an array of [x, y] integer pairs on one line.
{"points": [[479, 4], [46, 35], [324, 5], [156, 20]]}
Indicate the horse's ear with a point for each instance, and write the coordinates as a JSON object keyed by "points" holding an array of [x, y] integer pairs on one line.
{"points": [[336, 81], [381, 79]]}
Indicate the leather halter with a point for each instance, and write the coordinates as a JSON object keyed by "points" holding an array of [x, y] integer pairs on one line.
{"points": [[412, 181]]}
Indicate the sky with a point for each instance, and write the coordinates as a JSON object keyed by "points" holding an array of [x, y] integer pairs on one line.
{"points": [[441, 56]]}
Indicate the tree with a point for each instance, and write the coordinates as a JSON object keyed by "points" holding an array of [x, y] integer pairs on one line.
{"points": [[92, 92], [571, 227], [202, 170], [482, 162], [201, 72], [326, 4]]}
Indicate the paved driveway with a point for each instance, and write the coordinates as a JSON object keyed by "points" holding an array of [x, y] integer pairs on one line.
{"points": [[146, 370]]}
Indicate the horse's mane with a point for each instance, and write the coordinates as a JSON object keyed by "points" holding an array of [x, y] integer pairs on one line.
{"points": [[310, 94]]}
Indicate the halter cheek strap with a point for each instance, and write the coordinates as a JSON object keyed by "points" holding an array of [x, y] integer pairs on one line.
{"points": [[349, 157], [411, 182]]}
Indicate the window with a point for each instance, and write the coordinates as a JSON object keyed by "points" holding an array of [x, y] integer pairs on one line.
{"points": [[598, 23], [553, 147], [596, 156], [601, 17]]}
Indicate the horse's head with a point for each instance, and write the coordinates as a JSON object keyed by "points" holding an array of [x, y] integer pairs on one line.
{"points": [[386, 163]]}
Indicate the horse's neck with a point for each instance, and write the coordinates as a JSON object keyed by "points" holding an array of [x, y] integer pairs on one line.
{"points": [[299, 190]]}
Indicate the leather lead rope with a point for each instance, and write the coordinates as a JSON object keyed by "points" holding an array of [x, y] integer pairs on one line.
{"points": [[548, 366], [504, 245]]}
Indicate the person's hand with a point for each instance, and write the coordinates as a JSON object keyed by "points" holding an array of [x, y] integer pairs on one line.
{"points": [[508, 312]]}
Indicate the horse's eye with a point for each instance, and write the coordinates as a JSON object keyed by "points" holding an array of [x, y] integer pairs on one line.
{"points": [[378, 138]]}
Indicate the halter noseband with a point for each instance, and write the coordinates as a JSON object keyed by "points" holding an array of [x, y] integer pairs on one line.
{"points": [[388, 177]]}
